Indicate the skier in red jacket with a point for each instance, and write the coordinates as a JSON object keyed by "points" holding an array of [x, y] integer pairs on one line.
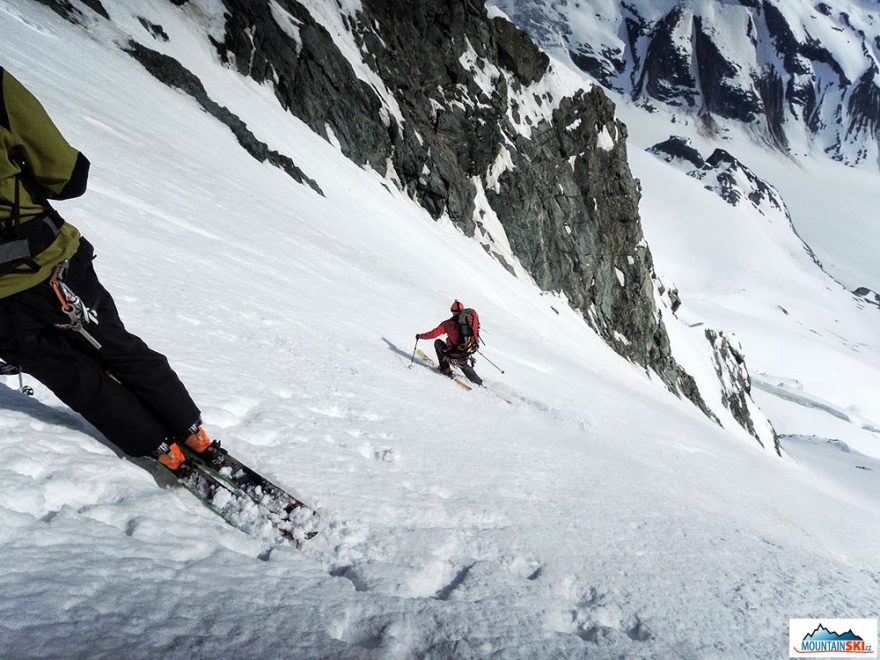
{"points": [[462, 332]]}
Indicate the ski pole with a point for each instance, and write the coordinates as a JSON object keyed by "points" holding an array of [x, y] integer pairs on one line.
{"points": [[490, 362], [412, 359], [24, 389]]}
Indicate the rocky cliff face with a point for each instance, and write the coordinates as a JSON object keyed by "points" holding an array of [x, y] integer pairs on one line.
{"points": [[775, 66], [722, 173], [865, 295], [469, 123], [464, 113]]}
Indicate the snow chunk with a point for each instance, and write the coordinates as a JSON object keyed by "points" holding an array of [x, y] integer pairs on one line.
{"points": [[288, 24], [331, 136], [330, 17], [605, 141], [538, 101], [485, 73], [503, 163], [495, 12], [493, 234]]}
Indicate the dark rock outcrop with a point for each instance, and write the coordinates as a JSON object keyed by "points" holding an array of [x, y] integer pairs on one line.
{"points": [[866, 295], [63, 8], [736, 383], [666, 75], [722, 173], [153, 28], [864, 105], [518, 53], [312, 79], [678, 148], [604, 67], [70, 12], [174, 74], [722, 93], [729, 172]]}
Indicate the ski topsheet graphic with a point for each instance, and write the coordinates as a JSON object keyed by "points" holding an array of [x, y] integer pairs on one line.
{"points": [[245, 499]]}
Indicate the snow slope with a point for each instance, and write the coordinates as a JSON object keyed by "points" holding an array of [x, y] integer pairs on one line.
{"points": [[833, 206], [593, 515], [805, 336]]}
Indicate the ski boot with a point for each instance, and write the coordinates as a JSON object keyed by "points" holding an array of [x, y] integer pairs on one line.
{"points": [[200, 443], [198, 439], [171, 456]]}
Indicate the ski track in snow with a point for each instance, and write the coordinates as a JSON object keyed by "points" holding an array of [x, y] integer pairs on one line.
{"points": [[595, 515]]}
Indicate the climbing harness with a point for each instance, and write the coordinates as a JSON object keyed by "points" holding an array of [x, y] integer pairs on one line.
{"points": [[77, 311]]}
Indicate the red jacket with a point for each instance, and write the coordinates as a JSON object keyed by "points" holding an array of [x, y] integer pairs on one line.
{"points": [[449, 327]]}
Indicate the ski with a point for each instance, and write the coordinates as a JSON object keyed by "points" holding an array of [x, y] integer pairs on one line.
{"points": [[461, 383], [286, 512], [427, 360], [233, 506]]}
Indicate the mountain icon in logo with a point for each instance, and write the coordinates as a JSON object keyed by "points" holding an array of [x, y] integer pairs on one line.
{"points": [[822, 633]]}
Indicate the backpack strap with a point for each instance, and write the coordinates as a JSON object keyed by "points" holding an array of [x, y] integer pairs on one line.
{"points": [[31, 239], [469, 334], [20, 243]]}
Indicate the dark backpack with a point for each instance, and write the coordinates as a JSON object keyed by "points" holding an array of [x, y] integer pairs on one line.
{"points": [[469, 327]]}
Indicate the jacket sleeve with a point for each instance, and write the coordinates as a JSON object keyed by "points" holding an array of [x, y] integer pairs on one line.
{"points": [[436, 332], [60, 170]]}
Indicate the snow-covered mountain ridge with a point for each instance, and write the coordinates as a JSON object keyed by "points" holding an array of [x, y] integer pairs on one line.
{"points": [[781, 67], [788, 88]]}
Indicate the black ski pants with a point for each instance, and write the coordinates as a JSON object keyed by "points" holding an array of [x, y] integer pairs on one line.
{"points": [[126, 390], [446, 354]]}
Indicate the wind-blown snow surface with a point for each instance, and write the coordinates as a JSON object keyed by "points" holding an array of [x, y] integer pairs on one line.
{"points": [[593, 515]]}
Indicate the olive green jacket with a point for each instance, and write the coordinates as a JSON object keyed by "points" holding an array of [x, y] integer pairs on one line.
{"points": [[54, 170]]}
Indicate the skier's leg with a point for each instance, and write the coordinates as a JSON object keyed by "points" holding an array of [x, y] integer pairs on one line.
{"points": [[142, 371], [442, 360], [81, 383], [472, 376]]}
